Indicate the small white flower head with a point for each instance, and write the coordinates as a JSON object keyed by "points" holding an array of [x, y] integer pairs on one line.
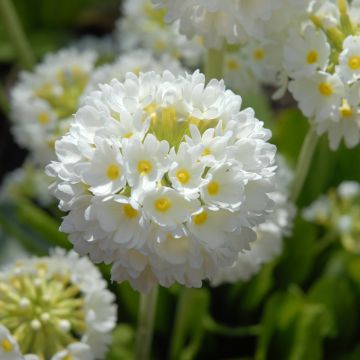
{"points": [[338, 212], [232, 21], [143, 27], [304, 55], [44, 100], [63, 294], [324, 65], [176, 197], [135, 61], [270, 234]]}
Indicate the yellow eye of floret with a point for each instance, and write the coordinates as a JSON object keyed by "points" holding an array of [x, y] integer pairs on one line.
{"points": [[163, 204], [113, 172], [325, 89]]}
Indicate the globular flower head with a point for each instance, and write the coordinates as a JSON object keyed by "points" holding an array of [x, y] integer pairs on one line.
{"points": [[323, 61], [144, 27], [164, 177], [43, 101], [338, 212], [63, 296], [231, 21]]}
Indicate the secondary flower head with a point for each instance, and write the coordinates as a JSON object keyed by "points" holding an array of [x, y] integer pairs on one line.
{"points": [[164, 177], [338, 212], [270, 234], [323, 61], [44, 100], [144, 27], [63, 296], [135, 61], [233, 21]]}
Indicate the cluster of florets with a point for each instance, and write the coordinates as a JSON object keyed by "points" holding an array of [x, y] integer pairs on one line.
{"points": [[144, 27], [55, 308], [164, 177], [43, 101], [134, 61], [323, 60], [270, 234], [338, 213], [231, 21]]}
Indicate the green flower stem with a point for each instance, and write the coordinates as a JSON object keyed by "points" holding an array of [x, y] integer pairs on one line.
{"points": [[324, 242], [180, 323], [145, 327], [214, 64], [212, 326], [304, 162], [16, 34]]}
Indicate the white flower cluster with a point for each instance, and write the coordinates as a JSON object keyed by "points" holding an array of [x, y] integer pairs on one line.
{"points": [[269, 234], [339, 213], [143, 27], [164, 177], [134, 61], [43, 101], [323, 61], [233, 21], [63, 296]]}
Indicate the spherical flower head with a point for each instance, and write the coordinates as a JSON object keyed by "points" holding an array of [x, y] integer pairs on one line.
{"points": [[44, 100], [134, 61], [270, 234], [323, 61], [232, 21], [338, 212], [62, 295], [163, 176], [142, 26]]}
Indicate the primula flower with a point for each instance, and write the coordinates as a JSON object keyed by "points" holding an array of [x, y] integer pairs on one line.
{"points": [[144, 27], [55, 308], [176, 197], [338, 212], [44, 100], [323, 61]]}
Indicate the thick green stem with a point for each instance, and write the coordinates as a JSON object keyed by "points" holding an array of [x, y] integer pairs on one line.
{"points": [[304, 162], [181, 319], [145, 327], [16, 34], [214, 64]]}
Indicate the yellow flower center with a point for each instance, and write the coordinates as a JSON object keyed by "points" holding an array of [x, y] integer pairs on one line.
{"points": [[183, 176], [136, 70], [68, 357], [113, 172], [43, 118], [199, 219], [6, 345], [213, 188], [129, 211], [345, 109], [206, 152], [232, 64], [325, 89], [159, 45], [163, 204], [312, 57], [259, 54], [144, 167], [354, 62]]}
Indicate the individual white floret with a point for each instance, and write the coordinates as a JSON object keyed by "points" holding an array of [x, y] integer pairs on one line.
{"points": [[349, 59]]}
